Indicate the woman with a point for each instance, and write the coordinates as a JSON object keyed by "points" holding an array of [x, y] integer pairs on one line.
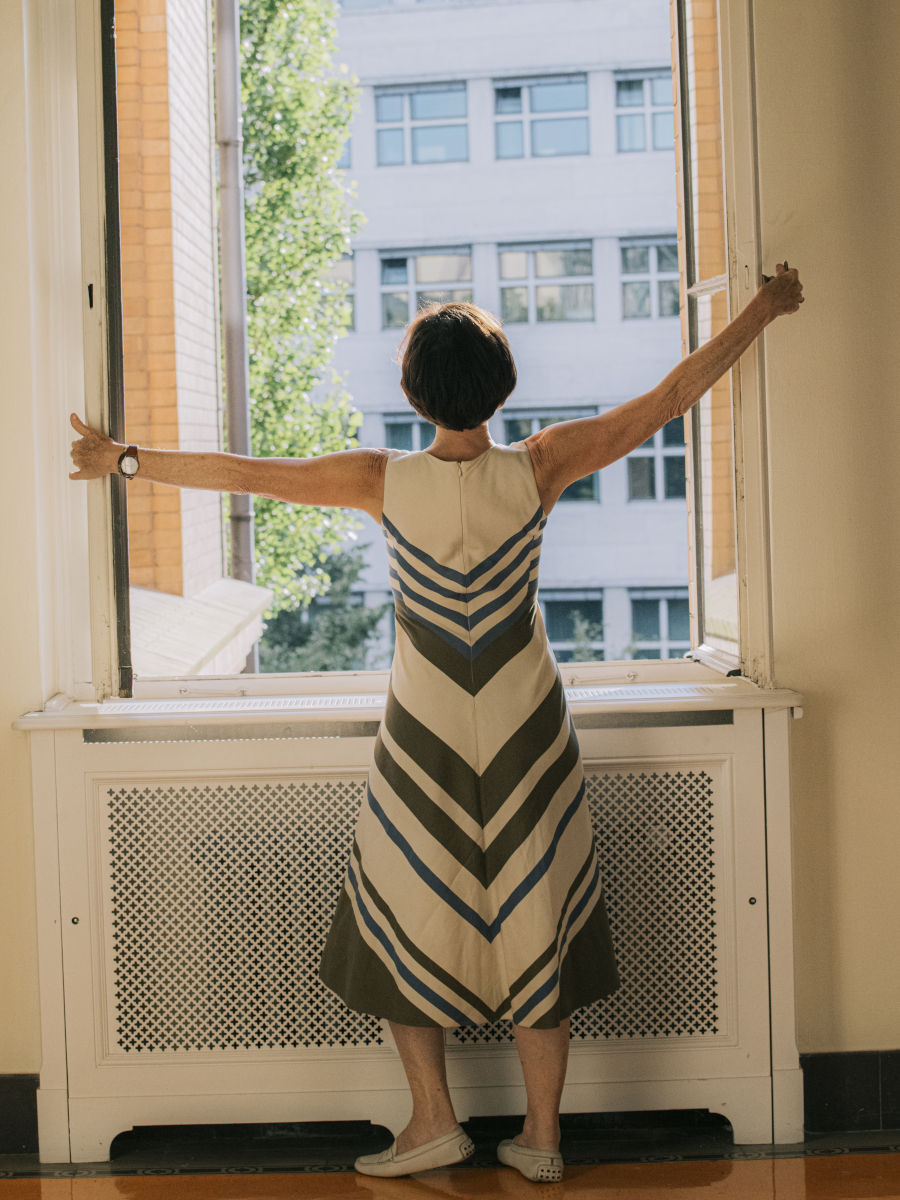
{"points": [[473, 890]]}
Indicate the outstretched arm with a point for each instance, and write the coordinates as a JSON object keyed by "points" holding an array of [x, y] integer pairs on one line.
{"points": [[570, 450], [347, 479]]}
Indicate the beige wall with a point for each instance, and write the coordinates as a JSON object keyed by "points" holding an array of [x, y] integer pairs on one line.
{"points": [[829, 115]]}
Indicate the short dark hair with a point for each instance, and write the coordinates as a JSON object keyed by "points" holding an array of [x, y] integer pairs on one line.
{"points": [[456, 365]]}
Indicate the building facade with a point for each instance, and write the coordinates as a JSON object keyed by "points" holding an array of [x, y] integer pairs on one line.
{"points": [[519, 154]]}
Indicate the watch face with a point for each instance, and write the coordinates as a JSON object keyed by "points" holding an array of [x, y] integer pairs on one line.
{"points": [[130, 465]]}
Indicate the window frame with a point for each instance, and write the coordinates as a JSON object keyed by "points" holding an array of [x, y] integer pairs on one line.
{"points": [[648, 109], [662, 597], [532, 281], [408, 124], [412, 287], [526, 117], [653, 275], [573, 596], [658, 451]]}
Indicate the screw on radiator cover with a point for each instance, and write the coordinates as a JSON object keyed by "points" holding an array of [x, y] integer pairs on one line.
{"points": [[74, 920], [752, 899]]}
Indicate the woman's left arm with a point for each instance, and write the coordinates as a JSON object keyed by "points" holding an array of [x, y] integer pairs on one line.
{"points": [[346, 479]]}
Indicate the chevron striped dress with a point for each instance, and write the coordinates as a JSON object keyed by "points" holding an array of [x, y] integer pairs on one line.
{"points": [[473, 890]]}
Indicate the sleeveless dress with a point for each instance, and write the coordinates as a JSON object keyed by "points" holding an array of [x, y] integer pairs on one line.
{"points": [[473, 891]]}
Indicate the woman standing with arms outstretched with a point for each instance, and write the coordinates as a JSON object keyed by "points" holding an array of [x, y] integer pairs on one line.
{"points": [[473, 891]]}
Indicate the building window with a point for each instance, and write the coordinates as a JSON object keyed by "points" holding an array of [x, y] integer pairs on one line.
{"points": [[660, 623], [553, 282], [644, 116], [405, 433], [421, 124], [519, 426], [346, 159], [343, 272], [650, 280], [536, 133], [656, 469], [574, 624], [432, 276]]}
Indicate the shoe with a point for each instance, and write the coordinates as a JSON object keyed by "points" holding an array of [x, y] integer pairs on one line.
{"points": [[540, 1166], [453, 1147]]}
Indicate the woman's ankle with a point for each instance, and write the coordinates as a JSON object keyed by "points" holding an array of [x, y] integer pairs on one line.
{"points": [[540, 1135]]}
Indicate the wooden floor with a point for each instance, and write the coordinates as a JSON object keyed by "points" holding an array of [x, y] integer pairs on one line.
{"points": [[836, 1177]]}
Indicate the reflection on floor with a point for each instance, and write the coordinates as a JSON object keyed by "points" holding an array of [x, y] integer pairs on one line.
{"points": [[817, 1178]]}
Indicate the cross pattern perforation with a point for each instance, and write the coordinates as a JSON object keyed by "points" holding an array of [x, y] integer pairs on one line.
{"points": [[222, 896], [656, 840]]}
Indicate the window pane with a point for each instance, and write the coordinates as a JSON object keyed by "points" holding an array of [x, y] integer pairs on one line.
{"points": [[561, 616], [645, 620], [635, 300], [345, 159], [390, 147], [449, 296], [342, 270], [514, 305], [393, 270], [508, 100], [669, 298], [513, 264], [440, 143], [663, 131], [630, 93], [581, 489], [661, 89], [389, 108], [566, 136], [425, 106], [673, 468], [667, 257], [517, 430], [351, 300], [559, 97], [565, 302], [551, 264], [642, 478], [426, 434], [647, 654], [399, 436], [635, 260], [443, 268], [510, 139], [673, 432], [630, 132], [679, 621], [394, 310]]}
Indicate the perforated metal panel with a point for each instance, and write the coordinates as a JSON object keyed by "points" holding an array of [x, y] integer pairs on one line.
{"points": [[656, 838], [221, 897]]}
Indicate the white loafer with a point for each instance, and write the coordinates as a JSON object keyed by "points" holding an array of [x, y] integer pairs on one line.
{"points": [[540, 1166], [453, 1147]]}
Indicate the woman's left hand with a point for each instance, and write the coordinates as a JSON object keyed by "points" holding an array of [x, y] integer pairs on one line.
{"points": [[94, 454]]}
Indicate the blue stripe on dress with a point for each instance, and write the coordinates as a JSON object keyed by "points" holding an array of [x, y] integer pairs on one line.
{"points": [[463, 596], [448, 572]]}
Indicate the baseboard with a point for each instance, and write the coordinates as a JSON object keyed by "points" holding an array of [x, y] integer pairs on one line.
{"points": [[854, 1091], [18, 1114]]}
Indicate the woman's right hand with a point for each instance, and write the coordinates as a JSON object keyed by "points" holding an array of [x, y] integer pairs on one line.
{"points": [[783, 293]]}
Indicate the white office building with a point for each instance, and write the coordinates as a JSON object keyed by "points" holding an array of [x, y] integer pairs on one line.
{"points": [[519, 154]]}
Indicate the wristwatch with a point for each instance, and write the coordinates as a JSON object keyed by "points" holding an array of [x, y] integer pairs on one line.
{"points": [[128, 462]]}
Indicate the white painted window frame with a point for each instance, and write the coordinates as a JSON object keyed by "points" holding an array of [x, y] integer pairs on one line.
{"points": [[407, 124], [532, 281], [646, 110], [658, 452], [652, 275], [526, 117]]}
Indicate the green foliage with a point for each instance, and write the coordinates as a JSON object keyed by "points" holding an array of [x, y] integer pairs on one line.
{"points": [[331, 634], [298, 221], [584, 633]]}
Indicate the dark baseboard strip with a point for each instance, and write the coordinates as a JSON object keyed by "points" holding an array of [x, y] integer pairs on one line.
{"points": [[853, 1091], [18, 1114]]}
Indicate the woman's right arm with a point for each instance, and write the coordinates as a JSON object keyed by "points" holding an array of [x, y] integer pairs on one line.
{"points": [[346, 479], [570, 450]]}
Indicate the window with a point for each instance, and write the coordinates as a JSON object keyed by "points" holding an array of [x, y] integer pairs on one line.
{"points": [[405, 433], [553, 282], [656, 469], [536, 133], [644, 116], [434, 274], [519, 426], [346, 159], [574, 624], [343, 272], [421, 124], [650, 286], [660, 623]]}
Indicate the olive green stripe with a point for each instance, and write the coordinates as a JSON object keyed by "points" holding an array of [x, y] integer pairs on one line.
{"points": [[435, 820], [439, 761], [524, 748]]}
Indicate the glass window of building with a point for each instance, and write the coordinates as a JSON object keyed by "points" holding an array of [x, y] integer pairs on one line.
{"points": [[656, 470], [649, 279], [541, 118], [549, 282], [574, 624], [431, 276], [660, 623], [401, 432], [343, 273], [644, 113], [517, 426], [425, 124]]}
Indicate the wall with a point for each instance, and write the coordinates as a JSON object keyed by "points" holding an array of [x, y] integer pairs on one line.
{"points": [[830, 176]]}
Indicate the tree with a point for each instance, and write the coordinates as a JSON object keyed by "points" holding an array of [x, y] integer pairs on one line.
{"points": [[298, 221]]}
